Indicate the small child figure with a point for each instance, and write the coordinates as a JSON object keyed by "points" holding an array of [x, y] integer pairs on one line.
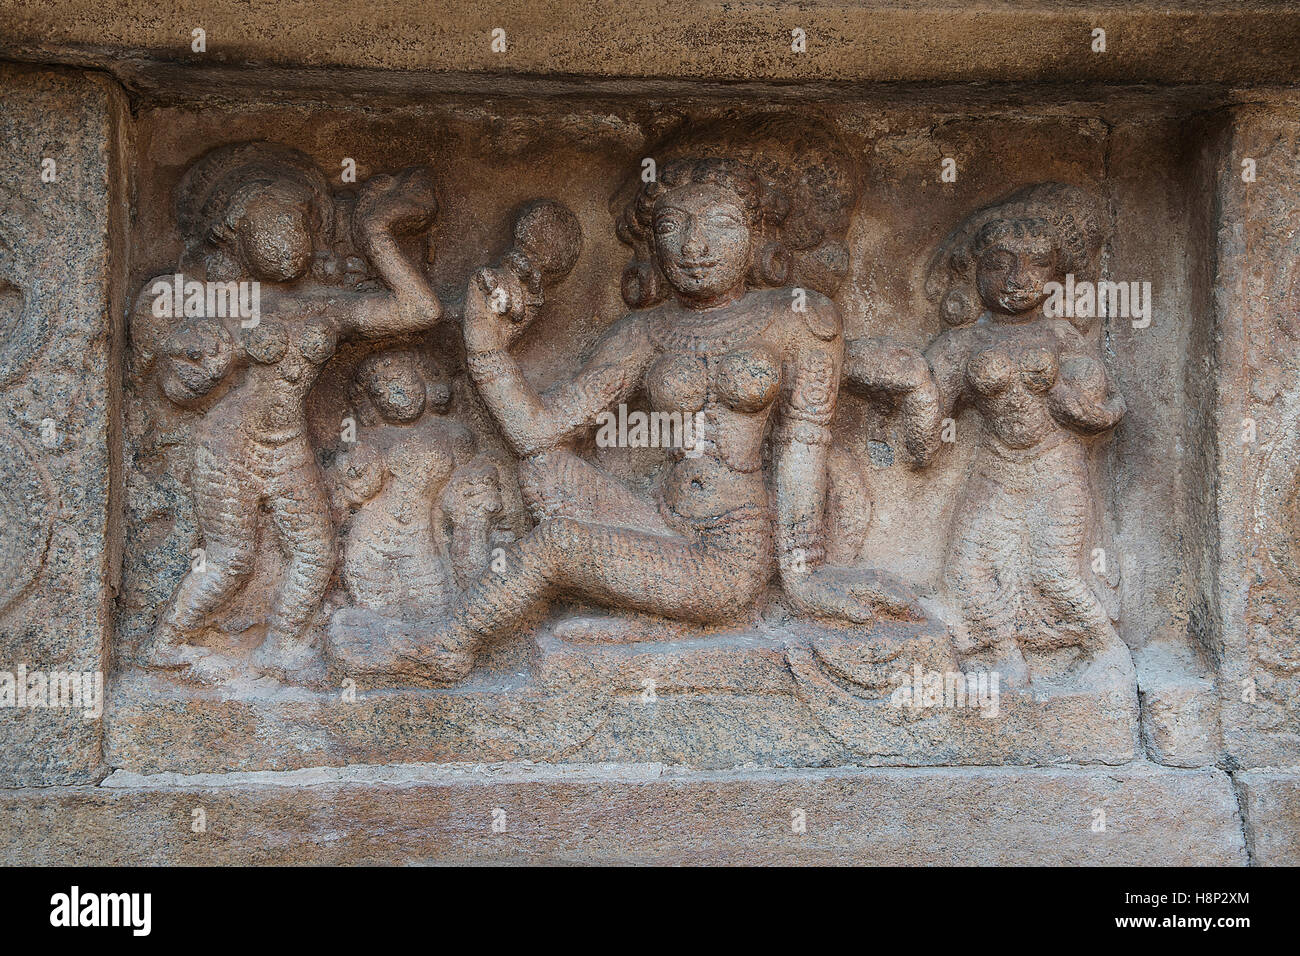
{"points": [[424, 504]]}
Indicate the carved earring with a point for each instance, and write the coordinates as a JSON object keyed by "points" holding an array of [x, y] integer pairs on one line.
{"points": [[772, 264], [641, 285], [959, 307]]}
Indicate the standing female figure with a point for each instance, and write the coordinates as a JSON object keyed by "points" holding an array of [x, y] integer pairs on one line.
{"points": [[1016, 572], [258, 213]]}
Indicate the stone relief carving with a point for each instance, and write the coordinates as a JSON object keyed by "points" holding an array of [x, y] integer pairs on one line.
{"points": [[1017, 580], [261, 213], [746, 538], [27, 497], [395, 476], [24, 286], [27, 508], [722, 336]]}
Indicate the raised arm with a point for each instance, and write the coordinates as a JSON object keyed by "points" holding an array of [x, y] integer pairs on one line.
{"points": [[388, 207], [802, 447], [533, 423]]}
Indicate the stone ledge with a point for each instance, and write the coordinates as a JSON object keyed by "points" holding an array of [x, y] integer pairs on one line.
{"points": [[724, 701], [642, 814], [1209, 41]]}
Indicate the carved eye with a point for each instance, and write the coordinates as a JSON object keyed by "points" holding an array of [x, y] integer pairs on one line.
{"points": [[667, 225]]}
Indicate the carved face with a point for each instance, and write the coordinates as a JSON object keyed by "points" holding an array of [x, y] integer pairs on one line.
{"points": [[274, 235], [1012, 272], [397, 388], [703, 240]]}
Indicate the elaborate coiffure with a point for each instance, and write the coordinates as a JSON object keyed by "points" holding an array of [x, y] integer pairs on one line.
{"points": [[794, 180], [1068, 216], [214, 192]]}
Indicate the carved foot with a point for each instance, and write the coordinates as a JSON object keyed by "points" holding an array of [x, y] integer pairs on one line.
{"points": [[860, 595], [171, 651], [377, 651], [288, 661], [1111, 666], [1008, 661]]}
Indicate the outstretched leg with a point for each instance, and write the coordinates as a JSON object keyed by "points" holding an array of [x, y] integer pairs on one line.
{"points": [[708, 580]]}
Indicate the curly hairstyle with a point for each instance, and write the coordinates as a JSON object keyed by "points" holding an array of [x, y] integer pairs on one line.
{"points": [[643, 281], [213, 194], [1068, 216], [795, 177]]}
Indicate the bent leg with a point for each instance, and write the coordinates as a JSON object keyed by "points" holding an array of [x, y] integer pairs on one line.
{"points": [[561, 484], [658, 574], [226, 505]]}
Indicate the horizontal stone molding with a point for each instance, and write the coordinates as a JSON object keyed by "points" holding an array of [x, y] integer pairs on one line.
{"points": [[633, 814], [846, 41]]}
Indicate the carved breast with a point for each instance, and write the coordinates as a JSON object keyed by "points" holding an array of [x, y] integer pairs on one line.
{"points": [[748, 380], [993, 370], [678, 382]]}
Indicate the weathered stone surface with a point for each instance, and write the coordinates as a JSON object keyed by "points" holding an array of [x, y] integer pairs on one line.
{"points": [[62, 248], [1044, 41], [1180, 722], [351, 397], [636, 814], [1270, 802], [1257, 303], [715, 702]]}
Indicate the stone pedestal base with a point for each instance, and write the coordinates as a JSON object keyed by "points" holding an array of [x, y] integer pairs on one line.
{"points": [[753, 697], [643, 813]]}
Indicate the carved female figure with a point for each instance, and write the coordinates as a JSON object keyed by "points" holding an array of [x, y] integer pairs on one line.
{"points": [[1016, 572], [408, 470], [752, 360], [257, 212]]}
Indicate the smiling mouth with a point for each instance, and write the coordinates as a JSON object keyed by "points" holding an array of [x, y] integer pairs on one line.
{"points": [[697, 266]]}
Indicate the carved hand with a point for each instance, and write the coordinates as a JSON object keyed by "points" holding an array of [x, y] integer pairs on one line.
{"points": [[402, 204], [196, 356], [1081, 398], [361, 474], [473, 496], [492, 298], [855, 594], [879, 365]]}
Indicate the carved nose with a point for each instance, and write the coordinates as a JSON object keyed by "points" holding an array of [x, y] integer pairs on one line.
{"points": [[695, 245]]}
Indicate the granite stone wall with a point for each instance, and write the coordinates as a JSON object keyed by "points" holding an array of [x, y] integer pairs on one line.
{"points": [[699, 435]]}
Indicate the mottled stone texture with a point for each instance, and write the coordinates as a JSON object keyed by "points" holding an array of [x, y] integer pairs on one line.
{"points": [[1257, 312], [920, 40], [61, 250], [1270, 803], [427, 599], [637, 814]]}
